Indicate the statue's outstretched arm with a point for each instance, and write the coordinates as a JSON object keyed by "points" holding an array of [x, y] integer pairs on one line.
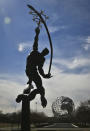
{"points": [[41, 71], [35, 45]]}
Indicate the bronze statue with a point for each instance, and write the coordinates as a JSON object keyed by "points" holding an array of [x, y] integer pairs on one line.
{"points": [[34, 70], [34, 64]]}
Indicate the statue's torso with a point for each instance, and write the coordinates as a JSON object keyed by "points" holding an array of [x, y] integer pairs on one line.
{"points": [[34, 60]]}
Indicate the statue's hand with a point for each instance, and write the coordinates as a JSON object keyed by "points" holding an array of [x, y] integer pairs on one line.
{"points": [[48, 75]]}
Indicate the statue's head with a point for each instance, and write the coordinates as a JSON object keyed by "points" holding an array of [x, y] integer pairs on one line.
{"points": [[45, 52]]}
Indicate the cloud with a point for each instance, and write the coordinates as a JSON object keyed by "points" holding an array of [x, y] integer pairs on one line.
{"points": [[24, 45], [61, 84], [78, 62], [88, 39], [8, 93], [7, 20], [86, 46], [53, 29], [72, 65], [72, 85]]}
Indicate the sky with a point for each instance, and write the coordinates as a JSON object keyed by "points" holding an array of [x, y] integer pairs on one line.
{"points": [[68, 24]]}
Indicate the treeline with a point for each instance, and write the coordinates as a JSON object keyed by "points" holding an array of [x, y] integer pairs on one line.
{"points": [[82, 114], [15, 117], [80, 117]]}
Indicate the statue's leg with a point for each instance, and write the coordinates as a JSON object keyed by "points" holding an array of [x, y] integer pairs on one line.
{"points": [[27, 90], [43, 99], [40, 89], [32, 95]]}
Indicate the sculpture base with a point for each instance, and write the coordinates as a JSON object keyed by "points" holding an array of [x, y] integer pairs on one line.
{"points": [[25, 120], [25, 114]]}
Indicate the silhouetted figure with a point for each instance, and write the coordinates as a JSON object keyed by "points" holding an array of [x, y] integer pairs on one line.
{"points": [[34, 68], [35, 63]]}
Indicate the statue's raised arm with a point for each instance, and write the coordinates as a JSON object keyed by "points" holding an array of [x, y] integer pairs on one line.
{"points": [[38, 18]]}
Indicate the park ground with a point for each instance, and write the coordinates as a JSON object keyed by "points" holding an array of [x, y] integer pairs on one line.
{"points": [[53, 127]]}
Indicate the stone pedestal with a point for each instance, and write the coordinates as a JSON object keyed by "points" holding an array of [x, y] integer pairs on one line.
{"points": [[25, 116]]}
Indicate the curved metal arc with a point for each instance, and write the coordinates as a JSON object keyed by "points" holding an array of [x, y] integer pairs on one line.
{"points": [[49, 37]]}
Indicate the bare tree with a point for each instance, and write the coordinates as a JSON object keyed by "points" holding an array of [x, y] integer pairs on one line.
{"points": [[83, 113]]}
